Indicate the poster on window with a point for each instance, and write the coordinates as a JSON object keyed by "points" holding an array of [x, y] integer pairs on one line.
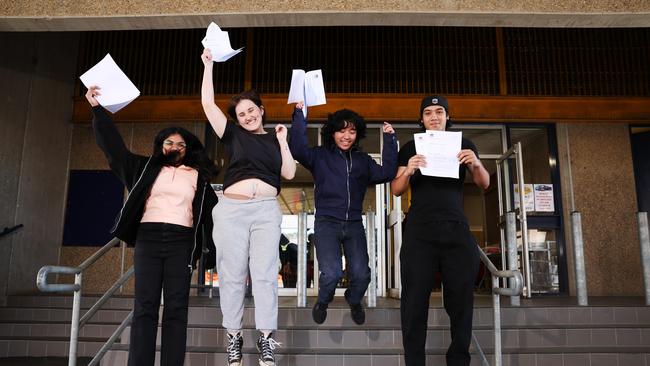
{"points": [[529, 198], [544, 198]]}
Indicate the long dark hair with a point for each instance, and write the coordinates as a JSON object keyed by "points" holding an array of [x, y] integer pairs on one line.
{"points": [[251, 95], [339, 120], [195, 155]]}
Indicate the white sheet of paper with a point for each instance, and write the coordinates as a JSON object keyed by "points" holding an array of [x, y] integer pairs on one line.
{"points": [[297, 89], [441, 149], [218, 42], [117, 91], [314, 88], [307, 87]]}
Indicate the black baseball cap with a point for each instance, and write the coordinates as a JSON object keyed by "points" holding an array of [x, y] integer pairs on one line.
{"points": [[434, 100]]}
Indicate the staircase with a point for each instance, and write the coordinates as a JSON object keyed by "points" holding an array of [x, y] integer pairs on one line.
{"points": [[543, 332]]}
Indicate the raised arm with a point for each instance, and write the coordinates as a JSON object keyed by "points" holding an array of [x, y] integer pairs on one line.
{"points": [[386, 171], [109, 140], [298, 142], [288, 169], [216, 117]]}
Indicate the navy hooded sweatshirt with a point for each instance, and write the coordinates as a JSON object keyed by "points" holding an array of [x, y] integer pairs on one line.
{"points": [[341, 178]]}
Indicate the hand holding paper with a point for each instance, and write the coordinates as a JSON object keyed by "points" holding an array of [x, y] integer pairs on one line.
{"points": [[308, 88], [440, 149], [218, 42], [117, 90]]}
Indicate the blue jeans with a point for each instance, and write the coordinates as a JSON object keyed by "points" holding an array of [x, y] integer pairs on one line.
{"points": [[331, 234]]}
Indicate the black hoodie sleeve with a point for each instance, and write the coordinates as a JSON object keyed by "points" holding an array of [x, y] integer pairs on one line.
{"points": [[122, 162], [209, 248]]}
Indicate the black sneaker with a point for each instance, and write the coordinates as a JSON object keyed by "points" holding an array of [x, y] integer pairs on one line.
{"points": [[357, 313], [266, 347], [319, 312], [235, 343]]}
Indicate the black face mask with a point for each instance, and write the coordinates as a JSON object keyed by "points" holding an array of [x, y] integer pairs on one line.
{"points": [[172, 158]]}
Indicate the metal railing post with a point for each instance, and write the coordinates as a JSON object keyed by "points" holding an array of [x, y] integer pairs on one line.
{"points": [[122, 261], [74, 324], [523, 222], [644, 242], [211, 274], [514, 289], [372, 254], [511, 242], [579, 258], [301, 281], [78, 322], [496, 303]]}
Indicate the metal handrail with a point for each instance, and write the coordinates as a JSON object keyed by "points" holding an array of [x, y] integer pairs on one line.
{"points": [[105, 297], [102, 351], [371, 296], [9, 230], [515, 287], [77, 322], [644, 243], [301, 281]]}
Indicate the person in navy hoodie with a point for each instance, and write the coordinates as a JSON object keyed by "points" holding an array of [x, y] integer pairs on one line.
{"points": [[342, 174]]}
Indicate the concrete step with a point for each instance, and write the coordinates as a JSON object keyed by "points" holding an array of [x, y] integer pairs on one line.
{"points": [[54, 329], [378, 338], [339, 316], [65, 301], [299, 356], [41, 361], [552, 356], [368, 339], [57, 315], [532, 335], [47, 346]]}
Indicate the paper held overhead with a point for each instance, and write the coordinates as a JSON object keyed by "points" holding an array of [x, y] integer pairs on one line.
{"points": [[218, 42], [117, 90], [307, 87]]}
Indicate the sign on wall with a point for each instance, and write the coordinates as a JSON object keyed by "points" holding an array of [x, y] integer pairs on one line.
{"points": [[537, 197]]}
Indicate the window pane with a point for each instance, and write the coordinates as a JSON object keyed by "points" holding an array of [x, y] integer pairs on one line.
{"points": [[372, 143], [534, 147], [405, 135], [486, 141]]}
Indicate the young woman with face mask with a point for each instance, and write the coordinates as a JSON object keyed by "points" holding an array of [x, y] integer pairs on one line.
{"points": [[167, 217]]}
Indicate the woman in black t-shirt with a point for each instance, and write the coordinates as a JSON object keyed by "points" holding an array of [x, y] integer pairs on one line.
{"points": [[247, 220]]}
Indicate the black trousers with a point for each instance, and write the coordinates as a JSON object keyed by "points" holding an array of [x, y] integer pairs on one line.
{"points": [[162, 256], [448, 247]]}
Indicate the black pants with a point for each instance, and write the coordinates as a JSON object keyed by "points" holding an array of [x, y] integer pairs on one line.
{"points": [[448, 247], [162, 256]]}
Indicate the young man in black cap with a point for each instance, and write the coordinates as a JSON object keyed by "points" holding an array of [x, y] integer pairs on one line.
{"points": [[437, 238]]}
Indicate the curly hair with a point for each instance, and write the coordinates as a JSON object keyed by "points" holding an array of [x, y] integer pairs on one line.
{"points": [[195, 154], [339, 120]]}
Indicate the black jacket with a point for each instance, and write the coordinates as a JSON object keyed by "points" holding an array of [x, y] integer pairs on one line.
{"points": [[138, 173]]}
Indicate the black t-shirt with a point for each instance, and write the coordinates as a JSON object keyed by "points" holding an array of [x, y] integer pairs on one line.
{"points": [[435, 198], [251, 156]]}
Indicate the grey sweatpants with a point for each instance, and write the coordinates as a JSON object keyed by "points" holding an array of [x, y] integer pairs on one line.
{"points": [[247, 234]]}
